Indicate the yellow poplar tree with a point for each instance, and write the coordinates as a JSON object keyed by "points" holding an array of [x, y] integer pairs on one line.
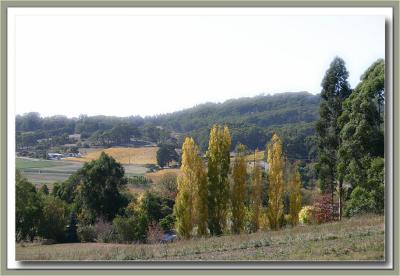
{"points": [[275, 182], [201, 199], [218, 186], [256, 198], [239, 175], [190, 206], [294, 195]]}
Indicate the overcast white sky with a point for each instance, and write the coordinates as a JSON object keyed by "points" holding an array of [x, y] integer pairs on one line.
{"points": [[126, 62]]}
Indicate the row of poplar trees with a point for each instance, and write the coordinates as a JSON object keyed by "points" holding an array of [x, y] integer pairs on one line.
{"points": [[208, 199]]}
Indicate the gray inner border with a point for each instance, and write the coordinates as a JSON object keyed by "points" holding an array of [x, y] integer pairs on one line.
{"points": [[340, 267]]}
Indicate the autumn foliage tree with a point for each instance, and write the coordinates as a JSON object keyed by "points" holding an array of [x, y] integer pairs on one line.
{"points": [[191, 206], [256, 197], [218, 186], [239, 175], [294, 195], [276, 182]]}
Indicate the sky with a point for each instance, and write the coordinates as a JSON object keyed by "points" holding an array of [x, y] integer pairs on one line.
{"points": [[125, 62]]}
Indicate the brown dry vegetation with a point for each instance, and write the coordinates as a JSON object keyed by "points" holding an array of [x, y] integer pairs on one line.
{"points": [[156, 176], [359, 238], [138, 156]]}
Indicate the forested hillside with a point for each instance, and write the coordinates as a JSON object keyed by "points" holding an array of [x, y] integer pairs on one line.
{"points": [[251, 120]]}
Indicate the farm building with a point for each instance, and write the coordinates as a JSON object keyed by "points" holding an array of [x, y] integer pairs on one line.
{"points": [[54, 156]]}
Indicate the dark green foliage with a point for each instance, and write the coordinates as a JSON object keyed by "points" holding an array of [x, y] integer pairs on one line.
{"points": [[362, 127], [139, 180], [361, 152], [86, 233], [166, 154], [155, 206], [72, 235], [67, 189], [44, 189], [375, 182], [54, 219], [167, 223], [100, 188], [335, 89], [131, 229], [28, 208], [361, 201]]}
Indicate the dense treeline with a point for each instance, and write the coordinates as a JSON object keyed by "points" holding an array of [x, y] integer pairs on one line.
{"points": [[251, 121], [350, 139]]}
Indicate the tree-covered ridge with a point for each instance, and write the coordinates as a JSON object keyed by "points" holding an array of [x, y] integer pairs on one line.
{"points": [[251, 120], [262, 110]]}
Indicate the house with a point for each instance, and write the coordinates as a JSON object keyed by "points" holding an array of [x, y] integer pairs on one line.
{"points": [[54, 156]]}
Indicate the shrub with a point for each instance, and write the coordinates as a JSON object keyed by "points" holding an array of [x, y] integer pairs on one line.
{"points": [[54, 219], [361, 201], [282, 221], [288, 220], [325, 210], [105, 231], [379, 199], [167, 186], [130, 229], [167, 223], [86, 217], [86, 233], [305, 215], [28, 207], [154, 233], [44, 189]]}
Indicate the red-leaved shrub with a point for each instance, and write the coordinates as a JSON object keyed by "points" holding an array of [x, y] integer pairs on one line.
{"points": [[324, 210]]}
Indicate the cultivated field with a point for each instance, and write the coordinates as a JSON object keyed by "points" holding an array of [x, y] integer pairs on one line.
{"points": [[47, 172], [138, 156], [359, 238]]}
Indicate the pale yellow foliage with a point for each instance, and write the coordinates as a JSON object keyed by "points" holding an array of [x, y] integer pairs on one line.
{"points": [[190, 208], [295, 195], [275, 181]]}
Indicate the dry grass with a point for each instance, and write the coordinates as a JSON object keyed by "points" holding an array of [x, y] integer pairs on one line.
{"points": [[156, 176], [260, 156], [138, 156], [354, 239]]}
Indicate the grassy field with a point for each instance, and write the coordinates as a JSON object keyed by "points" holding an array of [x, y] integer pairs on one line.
{"points": [[28, 163], [47, 172], [138, 156], [353, 239], [156, 176]]}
